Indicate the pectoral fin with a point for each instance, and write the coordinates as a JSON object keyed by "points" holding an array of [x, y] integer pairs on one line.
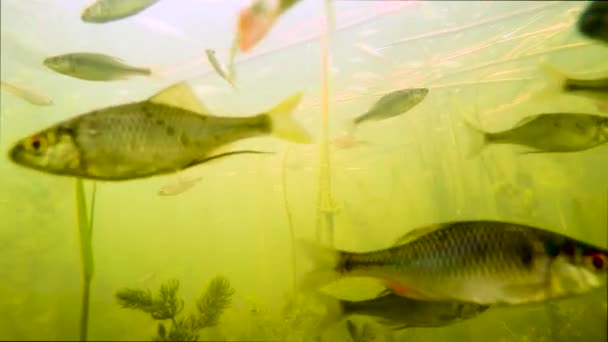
{"points": [[405, 291]]}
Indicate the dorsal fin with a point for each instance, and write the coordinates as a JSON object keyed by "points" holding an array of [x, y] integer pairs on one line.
{"points": [[527, 120], [416, 233], [180, 95]]}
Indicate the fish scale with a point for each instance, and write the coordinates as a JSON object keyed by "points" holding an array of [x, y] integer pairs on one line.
{"points": [[166, 133], [484, 262]]}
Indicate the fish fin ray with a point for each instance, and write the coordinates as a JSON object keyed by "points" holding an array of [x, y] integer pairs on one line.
{"points": [[554, 81], [417, 233], [180, 95], [326, 262], [478, 139], [334, 311], [405, 291], [282, 122]]}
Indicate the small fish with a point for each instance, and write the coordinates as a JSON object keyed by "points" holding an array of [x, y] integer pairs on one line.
{"points": [[168, 132], [393, 104], [400, 312], [482, 262], [346, 141], [558, 83], [28, 95], [368, 50], [94, 67], [255, 21], [219, 68], [554, 132], [593, 23], [103, 11], [178, 187]]}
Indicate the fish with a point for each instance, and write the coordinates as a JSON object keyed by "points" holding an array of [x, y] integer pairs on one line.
{"points": [[346, 141], [393, 104], [178, 187], [593, 22], [556, 83], [546, 133], [103, 11], [29, 95], [94, 67], [398, 313], [256, 20], [484, 262], [219, 69], [166, 133]]}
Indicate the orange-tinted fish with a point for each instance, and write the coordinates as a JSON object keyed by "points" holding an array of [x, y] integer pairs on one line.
{"points": [[255, 21]]}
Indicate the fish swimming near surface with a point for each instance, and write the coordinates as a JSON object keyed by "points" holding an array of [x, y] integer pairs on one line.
{"points": [[219, 68], [393, 104], [94, 67], [546, 133], [556, 83], [593, 22], [29, 95], [166, 133], [482, 262], [178, 187], [103, 11], [256, 20], [398, 312]]}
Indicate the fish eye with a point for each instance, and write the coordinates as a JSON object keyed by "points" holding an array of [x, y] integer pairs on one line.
{"points": [[598, 261], [36, 143]]}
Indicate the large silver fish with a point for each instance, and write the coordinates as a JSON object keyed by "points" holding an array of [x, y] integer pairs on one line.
{"points": [[166, 133], [103, 11], [553, 132], [483, 262], [94, 67]]}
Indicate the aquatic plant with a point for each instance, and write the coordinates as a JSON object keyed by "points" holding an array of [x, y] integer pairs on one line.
{"points": [[326, 205], [85, 230], [167, 306]]}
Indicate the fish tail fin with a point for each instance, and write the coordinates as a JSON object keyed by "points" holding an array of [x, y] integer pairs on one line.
{"points": [[326, 266], [478, 139], [554, 81], [334, 311], [350, 126], [283, 124]]}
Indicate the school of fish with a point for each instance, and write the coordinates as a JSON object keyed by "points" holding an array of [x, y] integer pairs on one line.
{"points": [[433, 276]]}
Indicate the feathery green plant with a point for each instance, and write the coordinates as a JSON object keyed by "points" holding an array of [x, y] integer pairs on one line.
{"points": [[167, 306]]}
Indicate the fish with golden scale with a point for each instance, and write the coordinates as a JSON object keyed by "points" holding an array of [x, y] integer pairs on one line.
{"points": [[166, 133]]}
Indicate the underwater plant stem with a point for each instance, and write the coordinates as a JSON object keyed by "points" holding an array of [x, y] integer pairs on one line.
{"points": [[86, 255], [292, 236], [325, 204], [84, 310]]}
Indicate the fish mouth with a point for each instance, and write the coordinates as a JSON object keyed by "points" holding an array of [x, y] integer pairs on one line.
{"points": [[15, 153]]}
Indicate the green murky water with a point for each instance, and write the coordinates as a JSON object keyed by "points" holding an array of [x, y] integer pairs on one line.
{"points": [[479, 60]]}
